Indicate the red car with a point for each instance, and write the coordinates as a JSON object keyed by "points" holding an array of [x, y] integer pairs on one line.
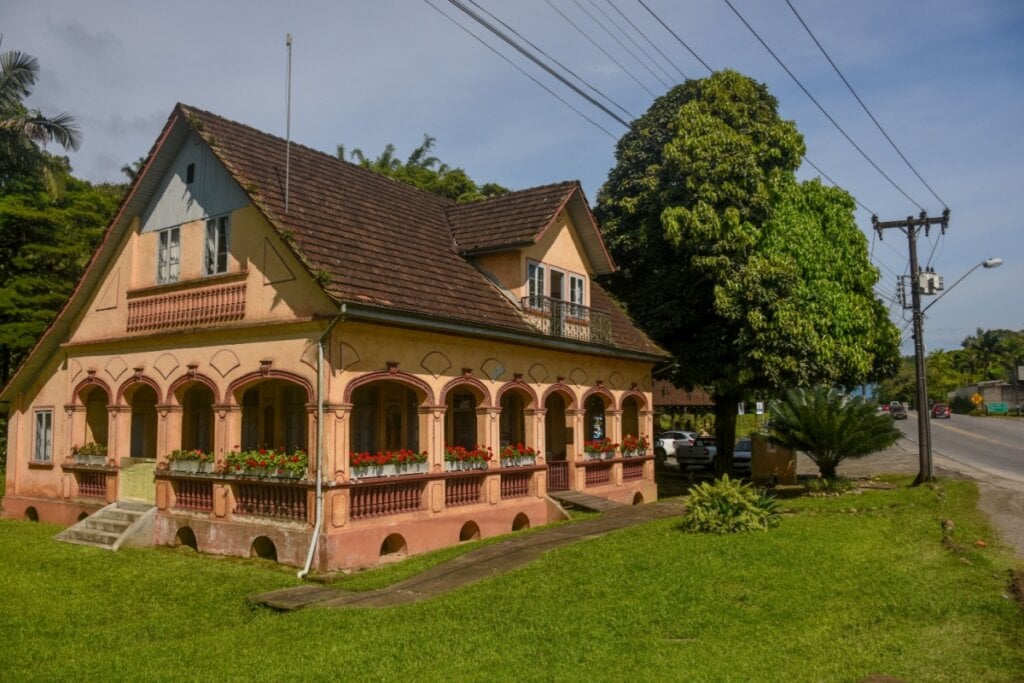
{"points": [[941, 411]]}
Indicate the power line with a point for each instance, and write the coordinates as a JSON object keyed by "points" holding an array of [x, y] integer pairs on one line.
{"points": [[569, 71], [820, 107], [861, 102], [605, 52], [522, 71], [649, 41], [526, 53], [680, 40], [621, 44]]}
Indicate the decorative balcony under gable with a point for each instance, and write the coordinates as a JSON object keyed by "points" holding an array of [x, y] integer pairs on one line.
{"points": [[186, 307], [560, 318]]}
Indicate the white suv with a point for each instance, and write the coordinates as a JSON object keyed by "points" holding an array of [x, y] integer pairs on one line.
{"points": [[665, 446]]}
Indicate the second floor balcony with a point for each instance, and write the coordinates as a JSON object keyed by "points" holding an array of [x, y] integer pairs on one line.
{"points": [[560, 318], [187, 308]]}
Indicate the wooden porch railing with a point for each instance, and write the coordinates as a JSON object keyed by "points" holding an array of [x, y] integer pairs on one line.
{"points": [[598, 473], [558, 475], [279, 501], [389, 498], [515, 484], [193, 495], [632, 470], [92, 484], [462, 490]]}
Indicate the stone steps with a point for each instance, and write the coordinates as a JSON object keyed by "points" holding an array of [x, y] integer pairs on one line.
{"points": [[585, 501], [120, 523]]}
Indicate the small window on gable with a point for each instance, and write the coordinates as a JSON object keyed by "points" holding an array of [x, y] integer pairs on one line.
{"points": [[168, 255], [535, 284], [215, 253], [190, 174], [43, 448], [577, 294]]}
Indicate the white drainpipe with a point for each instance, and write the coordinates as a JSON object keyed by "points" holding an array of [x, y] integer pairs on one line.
{"points": [[319, 514]]}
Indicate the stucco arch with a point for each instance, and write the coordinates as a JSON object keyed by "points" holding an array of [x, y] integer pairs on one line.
{"points": [[522, 387], [604, 394], [565, 390], [483, 396], [89, 383], [130, 385], [236, 388], [422, 390], [634, 394], [178, 388]]}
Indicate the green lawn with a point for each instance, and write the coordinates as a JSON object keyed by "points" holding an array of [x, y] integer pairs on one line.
{"points": [[843, 588]]}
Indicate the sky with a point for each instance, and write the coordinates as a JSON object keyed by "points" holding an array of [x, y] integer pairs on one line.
{"points": [[944, 78]]}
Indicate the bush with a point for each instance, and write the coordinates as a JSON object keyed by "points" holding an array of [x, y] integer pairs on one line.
{"points": [[828, 487], [728, 506]]}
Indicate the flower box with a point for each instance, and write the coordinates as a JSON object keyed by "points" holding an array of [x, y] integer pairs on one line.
{"points": [[464, 465], [187, 466], [519, 461]]}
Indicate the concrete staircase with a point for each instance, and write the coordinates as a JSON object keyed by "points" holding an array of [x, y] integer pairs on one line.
{"points": [[584, 501], [124, 523]]}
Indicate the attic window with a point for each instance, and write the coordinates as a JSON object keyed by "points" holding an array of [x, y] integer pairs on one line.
{"points": [[190, 174]]}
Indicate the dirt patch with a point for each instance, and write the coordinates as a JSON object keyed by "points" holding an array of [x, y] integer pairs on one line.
{"points": [[1005, 507], [1017, 586]]}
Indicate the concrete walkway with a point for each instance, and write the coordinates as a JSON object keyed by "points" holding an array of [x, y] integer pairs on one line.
{"points": [[499, 558]]}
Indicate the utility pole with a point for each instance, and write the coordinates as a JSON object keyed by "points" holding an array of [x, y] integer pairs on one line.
{"points": [[924, 433]]}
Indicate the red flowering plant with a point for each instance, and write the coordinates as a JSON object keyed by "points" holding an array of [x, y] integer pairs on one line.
{"points": [[460, 454], [633, 445], [604, 445], [268, 462], [380, 458], [517, 451], [184, 454]]}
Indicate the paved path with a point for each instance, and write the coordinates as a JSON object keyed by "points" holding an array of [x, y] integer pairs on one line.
{"points": [[491, 560]]}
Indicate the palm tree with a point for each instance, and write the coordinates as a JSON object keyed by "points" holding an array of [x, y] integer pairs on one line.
{"points": [[830, 427], [23, 131]]}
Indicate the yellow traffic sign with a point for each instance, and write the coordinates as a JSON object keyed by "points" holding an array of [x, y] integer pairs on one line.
{"points": [[977, 399]]}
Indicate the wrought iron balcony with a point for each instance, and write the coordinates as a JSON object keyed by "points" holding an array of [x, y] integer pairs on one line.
{"points": [[563, 319]]}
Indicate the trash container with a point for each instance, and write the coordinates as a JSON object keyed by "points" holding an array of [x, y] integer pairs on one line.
{"points": [[771, 463]]}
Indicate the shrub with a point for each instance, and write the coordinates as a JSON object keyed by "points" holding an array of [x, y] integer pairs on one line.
{"points": [[828, 487], [729, 506]]}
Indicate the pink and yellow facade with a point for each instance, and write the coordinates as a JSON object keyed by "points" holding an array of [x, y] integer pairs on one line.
{"points": [[226, 315]]}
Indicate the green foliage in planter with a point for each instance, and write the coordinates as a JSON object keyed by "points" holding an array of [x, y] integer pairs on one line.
{"points": [[189, 454], [728, 506], [90, 449]]}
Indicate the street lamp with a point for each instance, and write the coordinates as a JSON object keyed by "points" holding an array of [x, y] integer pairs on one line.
{"points": [[924, 427], [989, 263]]}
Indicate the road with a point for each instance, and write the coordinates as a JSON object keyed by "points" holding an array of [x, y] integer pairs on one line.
{"points": [[991, 445]]}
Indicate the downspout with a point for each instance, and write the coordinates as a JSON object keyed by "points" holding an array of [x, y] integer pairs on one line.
{"points": [[319, 514]]}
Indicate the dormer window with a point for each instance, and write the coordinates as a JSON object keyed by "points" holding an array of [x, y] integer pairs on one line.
{"points": [[215, 252]]}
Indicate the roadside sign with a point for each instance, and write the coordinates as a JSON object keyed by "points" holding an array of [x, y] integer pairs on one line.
{"points": [[998, 408], [760, 407], [740, 409], [977, 399]]}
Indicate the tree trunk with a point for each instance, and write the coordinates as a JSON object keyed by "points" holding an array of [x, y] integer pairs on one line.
{"points": [[726, 408]]}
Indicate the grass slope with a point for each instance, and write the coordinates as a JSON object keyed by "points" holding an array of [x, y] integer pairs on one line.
{"points": [[843, 588]]}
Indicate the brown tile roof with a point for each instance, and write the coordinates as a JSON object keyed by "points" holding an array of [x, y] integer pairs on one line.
{"points": [[665, 394], [386, 244], [511, 220]]}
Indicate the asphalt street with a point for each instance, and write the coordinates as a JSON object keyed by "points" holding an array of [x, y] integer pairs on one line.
{"points": [[992, 445]]}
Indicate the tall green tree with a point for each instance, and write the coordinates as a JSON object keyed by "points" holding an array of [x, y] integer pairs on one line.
{"points": [[754, 281], [25, 132], [426, 172], [45, 244]]}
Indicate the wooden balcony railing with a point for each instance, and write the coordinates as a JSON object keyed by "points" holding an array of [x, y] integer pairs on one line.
{"points": [[598, 473], [187, 308], [563, 319]]}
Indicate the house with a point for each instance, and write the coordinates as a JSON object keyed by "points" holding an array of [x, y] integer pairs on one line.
{"points": [[292, 315]]}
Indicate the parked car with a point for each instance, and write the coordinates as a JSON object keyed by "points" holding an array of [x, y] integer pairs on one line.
{"points": [[700, 453], [941, 411], [664, 446], [741, 456], [898, 411]]}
